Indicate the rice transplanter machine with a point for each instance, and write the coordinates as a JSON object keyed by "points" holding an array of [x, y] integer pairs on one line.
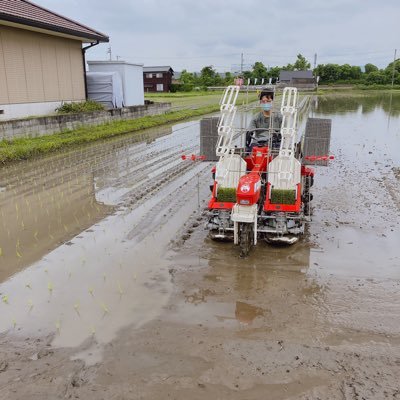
{"points": [[265, 192]]}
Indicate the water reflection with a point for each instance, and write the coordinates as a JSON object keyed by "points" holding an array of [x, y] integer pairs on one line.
{"points": [[112, 274], [365, 103], [40, 209], [356, 199], [250, 295], [47, 201]]}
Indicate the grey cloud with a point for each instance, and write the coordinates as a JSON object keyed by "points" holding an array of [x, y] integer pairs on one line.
{"points": [[190, 34]]}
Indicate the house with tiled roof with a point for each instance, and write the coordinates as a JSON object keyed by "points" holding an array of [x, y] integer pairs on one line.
{"points": [[42, 59], [157, 78]]}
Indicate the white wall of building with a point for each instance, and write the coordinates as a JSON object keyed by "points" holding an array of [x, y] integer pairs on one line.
{"points": [[131, 76], [23, 110]]}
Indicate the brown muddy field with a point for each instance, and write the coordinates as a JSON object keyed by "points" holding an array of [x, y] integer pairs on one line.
{"points": [[111, 289]]}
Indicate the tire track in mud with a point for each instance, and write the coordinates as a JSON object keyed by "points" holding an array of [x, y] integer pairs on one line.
{"points": [[92, 158], [175, 193], [147, 168]]}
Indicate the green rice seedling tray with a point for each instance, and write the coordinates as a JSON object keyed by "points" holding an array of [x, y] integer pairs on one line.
{"points": [[226, 195], [283, 196]]}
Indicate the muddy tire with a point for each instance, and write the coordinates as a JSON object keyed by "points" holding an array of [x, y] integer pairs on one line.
{"points": [[245, 238]]}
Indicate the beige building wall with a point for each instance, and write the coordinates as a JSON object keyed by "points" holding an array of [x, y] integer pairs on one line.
{"points": [[39, 68]]}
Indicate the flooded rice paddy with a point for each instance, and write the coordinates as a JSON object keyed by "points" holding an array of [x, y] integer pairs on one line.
{"points": [[110, 287]]}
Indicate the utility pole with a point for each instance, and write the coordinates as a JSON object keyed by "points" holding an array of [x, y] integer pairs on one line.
{"points": [[393, 69], [109, 52], [241, 63], [315, 60]]}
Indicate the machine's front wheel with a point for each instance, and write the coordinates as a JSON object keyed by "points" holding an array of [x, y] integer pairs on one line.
{"points": [[245, 238]]}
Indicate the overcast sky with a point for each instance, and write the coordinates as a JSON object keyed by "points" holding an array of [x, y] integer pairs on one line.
{"points": [[189, 34]]}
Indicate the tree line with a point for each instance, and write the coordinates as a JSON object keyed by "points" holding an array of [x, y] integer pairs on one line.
{"points": [[328, 74]]}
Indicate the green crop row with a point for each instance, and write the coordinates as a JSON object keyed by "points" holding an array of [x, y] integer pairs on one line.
{"points": [[24, 148]]}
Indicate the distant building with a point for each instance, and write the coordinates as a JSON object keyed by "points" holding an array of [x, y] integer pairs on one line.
{"points": [[157, 79], [42, 62], [299, 79]]}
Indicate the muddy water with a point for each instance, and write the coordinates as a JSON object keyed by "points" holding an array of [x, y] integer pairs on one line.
{"points": [[88, 275], [326, 308], [157, 310]]}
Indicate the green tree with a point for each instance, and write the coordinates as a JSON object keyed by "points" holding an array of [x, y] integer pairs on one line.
{"points": [[377, 77], [345, 72], [207, 76], [228, 80], [247, 75], [288, 67], [274, 72], [187, 78], [370, 68], [259, 70], [328, 72], [301, 63], [389, 68], [356, 72], [218, 80]]}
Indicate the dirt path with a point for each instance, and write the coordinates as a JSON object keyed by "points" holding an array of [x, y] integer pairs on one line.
{"points": [[144, 306]]}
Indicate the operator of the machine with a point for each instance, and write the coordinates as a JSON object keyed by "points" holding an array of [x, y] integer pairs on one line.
{"points": [[264, 128]]}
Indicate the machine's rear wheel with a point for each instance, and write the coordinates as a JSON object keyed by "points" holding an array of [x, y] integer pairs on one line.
{"points": [[245, 238]]}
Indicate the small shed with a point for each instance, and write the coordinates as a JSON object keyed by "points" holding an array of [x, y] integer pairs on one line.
{"points": [[131, 77], [105, 88], [299, 79]]}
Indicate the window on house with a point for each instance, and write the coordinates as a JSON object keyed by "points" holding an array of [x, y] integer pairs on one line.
{"points": [[158, 75], [149, 75], [160, 87]]}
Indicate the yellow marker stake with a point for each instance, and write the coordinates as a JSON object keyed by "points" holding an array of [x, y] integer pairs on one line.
{"points": [[30, 304], [5, 299], [50, 287], [1, 252], [91, 290]]}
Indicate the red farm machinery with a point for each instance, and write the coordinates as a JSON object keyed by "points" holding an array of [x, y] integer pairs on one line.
{"points": [[263, 192]]}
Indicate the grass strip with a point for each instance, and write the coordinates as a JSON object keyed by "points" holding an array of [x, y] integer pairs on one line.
{"points": [[25, 148]]}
